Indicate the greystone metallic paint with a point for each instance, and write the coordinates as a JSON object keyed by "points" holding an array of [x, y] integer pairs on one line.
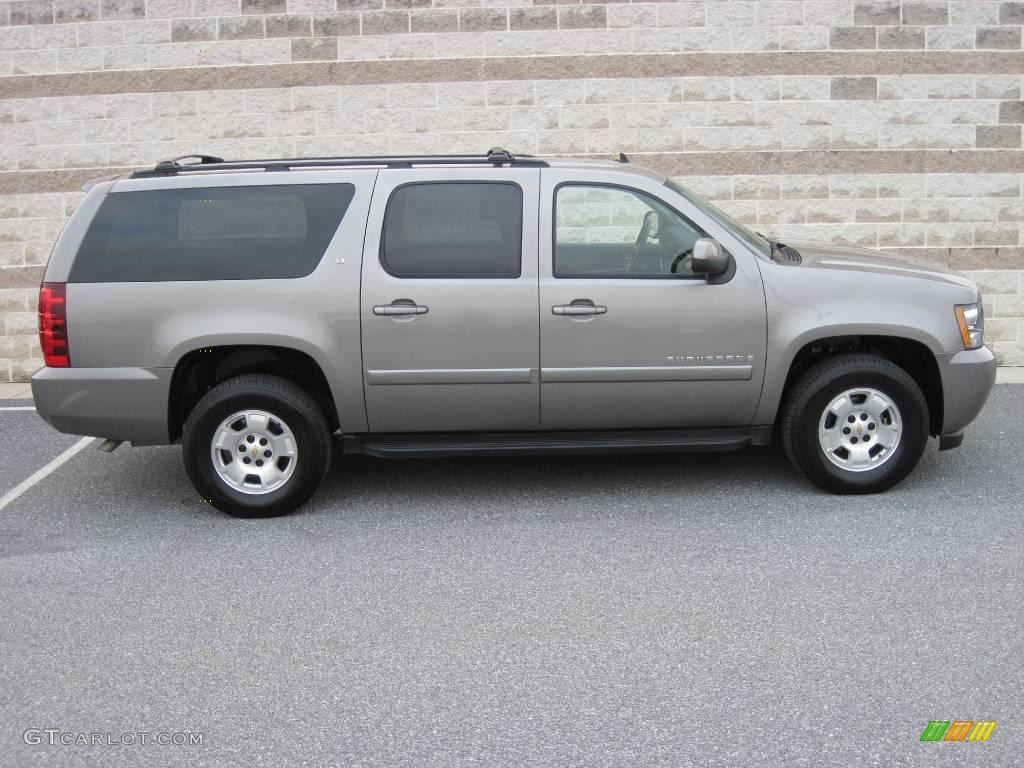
{"points": [[668, 353], [123, 403], [156, 324], [647, 322], [840, 291], [447, 370]]}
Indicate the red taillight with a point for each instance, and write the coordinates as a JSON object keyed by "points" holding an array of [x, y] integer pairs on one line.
{"points": [[53, 324]]}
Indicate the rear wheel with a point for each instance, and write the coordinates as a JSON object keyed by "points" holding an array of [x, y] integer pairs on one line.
{"points": [[256, 446], [855, 424]]}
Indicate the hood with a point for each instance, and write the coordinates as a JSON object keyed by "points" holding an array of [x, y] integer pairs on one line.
{"points": [[850, 258]]}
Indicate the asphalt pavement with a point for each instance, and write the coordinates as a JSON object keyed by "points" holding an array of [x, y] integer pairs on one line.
{"points": [[644, 610]]}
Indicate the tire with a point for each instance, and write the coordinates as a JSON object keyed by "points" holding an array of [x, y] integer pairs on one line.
{"points": [[819, 430], [285, 424]]}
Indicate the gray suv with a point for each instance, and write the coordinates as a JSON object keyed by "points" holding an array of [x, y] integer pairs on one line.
{"points": [[267, 313]]}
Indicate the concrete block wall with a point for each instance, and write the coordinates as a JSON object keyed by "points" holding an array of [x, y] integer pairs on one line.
{"points": [[878, 123]]}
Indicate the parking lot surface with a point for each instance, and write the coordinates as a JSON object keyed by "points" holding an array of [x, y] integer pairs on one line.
{"points": [[645, 610], [28, 444]]}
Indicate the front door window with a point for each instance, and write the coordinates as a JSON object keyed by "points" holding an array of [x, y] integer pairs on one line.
{"points": [[615, 232]]}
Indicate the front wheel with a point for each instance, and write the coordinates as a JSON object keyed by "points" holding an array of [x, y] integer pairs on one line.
{"points": [[256, 446], [855, 424]]}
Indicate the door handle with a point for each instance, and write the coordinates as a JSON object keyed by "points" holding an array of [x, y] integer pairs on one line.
{"points": [[579, 307], [400, 307]]}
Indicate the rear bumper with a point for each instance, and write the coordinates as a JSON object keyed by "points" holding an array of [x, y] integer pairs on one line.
{"points": [[967, 380], [120, 403]]}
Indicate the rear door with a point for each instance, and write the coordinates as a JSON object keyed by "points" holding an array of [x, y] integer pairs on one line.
{"points": [[449, 301]]}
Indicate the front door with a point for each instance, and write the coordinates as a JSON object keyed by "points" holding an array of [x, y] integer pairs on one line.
{"points": [[449, 301], [630, 337]]}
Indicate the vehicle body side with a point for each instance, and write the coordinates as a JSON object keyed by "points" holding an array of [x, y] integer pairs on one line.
{"points": [[865, 301], [127, 339], [132, 335]]}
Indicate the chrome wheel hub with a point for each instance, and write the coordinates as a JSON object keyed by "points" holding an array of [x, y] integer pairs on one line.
{"points": [[254, 452], [860, 429]]}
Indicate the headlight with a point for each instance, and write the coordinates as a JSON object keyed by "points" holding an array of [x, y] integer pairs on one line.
{"points": [[971, 319]]}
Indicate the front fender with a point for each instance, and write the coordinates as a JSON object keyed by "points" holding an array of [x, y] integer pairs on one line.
{"points": [[805, 306]]}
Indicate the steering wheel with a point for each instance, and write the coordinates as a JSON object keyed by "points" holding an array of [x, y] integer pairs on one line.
{"points": [[687, 254], [641, 238]]}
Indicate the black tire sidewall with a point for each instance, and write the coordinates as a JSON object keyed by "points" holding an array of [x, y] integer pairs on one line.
{"points": [[914, 434], [311, 460]]}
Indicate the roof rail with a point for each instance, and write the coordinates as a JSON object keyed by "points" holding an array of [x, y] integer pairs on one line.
{"points": [[499, 155], [496, 156], [175, 164]]}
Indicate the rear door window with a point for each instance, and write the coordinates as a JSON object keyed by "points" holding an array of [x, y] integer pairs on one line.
{"points": [[454, 230], [212, 233]]}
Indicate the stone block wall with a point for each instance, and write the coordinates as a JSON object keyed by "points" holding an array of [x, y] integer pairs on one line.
{"points": [[878, 123]]}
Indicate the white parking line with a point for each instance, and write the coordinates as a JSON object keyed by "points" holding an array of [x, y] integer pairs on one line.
{"points": [[17, 408], [42, 473]]}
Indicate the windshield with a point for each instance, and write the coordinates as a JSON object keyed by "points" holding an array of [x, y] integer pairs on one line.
{"points": [[748, 236]]}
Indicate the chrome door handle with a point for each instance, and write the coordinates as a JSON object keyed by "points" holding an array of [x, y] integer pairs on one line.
{"points": [[400, 307], [579, 307]]}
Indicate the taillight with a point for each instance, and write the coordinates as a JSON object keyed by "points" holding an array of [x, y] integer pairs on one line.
{"points": [[53, 324]]}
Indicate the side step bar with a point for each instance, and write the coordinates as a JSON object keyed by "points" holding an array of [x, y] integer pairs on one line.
{"points": [[532, 443]]}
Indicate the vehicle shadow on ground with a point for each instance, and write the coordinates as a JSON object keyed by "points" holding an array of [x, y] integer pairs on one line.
{"points": [[602, 483], [143, 497], [130, 489], [497, 478]]}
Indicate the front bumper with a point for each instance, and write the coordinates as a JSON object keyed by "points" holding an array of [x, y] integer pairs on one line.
{"points": [[119, 403], [967, 380]]}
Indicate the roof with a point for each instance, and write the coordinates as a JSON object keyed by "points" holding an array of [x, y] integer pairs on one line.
{"points": [[201, 164], [496, 157]]}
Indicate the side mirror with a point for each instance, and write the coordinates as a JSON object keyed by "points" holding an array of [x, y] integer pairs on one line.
{"points": [[709, 258]]}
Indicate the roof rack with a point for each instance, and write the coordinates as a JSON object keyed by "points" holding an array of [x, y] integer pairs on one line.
{"points": [[168, 166], [495, 156]]}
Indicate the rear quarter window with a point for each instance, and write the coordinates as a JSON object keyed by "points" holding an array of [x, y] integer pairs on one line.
{"points": [[213, 233]]}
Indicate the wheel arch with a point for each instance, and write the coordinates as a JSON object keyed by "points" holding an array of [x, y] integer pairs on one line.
{"points": [[910, 354], [199, 370]]}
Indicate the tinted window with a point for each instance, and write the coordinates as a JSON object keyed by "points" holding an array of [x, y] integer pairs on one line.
{"points": [[453, 229], [604, 231], [212, 233]]}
